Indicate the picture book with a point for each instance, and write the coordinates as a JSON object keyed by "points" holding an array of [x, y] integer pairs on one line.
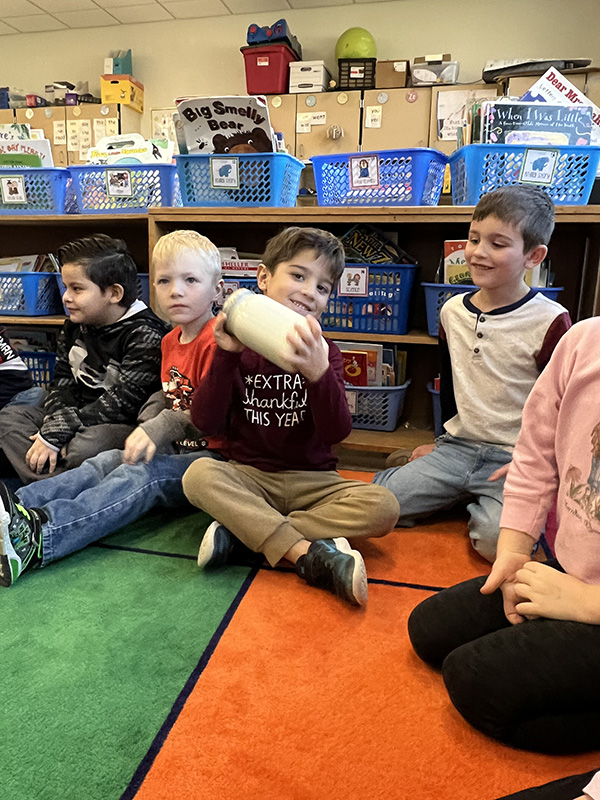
{"points": [[455, 263], [452, 109], [15, 130], [22, 263], [20, 160], [355, 367], [374, 359], [389, 365], [364, 244], [554, 88], [530, 123], [225, 125], [40, 147]]}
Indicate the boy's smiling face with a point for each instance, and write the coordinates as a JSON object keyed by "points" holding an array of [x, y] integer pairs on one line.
{"points": [[303, 283], [494, 254]]}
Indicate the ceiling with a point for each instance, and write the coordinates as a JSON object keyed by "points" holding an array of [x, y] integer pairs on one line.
{"points": [[32, 16]]}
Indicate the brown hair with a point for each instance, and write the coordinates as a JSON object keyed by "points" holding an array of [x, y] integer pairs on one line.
{"points": [[291, 241], [528, 208]]}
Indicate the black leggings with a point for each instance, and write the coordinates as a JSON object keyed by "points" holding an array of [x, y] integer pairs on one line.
{"points": [[535, 685], [564, 789]]}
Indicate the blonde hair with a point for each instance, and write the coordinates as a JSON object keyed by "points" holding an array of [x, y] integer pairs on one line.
{"points": [[172, 244]]}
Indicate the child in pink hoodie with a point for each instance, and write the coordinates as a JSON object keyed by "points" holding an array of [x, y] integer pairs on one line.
{"points": [[520, 651]]}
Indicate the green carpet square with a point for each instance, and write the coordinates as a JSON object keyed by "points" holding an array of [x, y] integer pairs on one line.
{"points": [[96, 649]]}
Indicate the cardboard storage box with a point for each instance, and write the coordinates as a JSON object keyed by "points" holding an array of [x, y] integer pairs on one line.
{"points": [[395, 118], [434, 69], [392, 74], [122, 89], [517, 86], [308, 76]]}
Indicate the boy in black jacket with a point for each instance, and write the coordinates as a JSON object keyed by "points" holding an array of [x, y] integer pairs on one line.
{"points": [[107, 365]]}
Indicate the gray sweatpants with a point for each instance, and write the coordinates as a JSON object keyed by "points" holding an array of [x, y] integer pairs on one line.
{"points": [[19, 423]]}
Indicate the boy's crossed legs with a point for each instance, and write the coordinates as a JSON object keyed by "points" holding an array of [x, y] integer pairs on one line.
{"points": [[455, 471], [297, 515]]}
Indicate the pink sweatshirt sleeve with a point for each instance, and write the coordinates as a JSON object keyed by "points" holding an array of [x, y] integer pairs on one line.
{"points": [[532, 479]]}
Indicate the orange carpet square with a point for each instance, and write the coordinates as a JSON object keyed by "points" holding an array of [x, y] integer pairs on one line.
{"points": [[307, 698], [436, 553]]}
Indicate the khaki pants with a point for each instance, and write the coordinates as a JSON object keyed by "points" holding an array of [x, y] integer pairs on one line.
{"points": [[272, 511]]}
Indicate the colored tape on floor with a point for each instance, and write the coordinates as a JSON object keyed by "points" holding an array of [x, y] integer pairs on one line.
{"points": [[306, 698]]}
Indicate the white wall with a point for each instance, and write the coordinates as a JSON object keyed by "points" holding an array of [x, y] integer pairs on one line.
{"points": [[201, 56]]}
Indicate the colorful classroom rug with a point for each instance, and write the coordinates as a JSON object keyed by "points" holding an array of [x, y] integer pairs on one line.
{"points": [[128, 673]]}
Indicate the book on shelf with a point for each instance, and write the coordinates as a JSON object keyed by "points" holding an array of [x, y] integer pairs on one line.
{"points": [[455, 263], [15, 130], [36, 147], [365, 244], [35, 263], [533, 123], [20, 160], [554, 88], [226, 126], [355, 367], [374, 358], [388, 365], [401, 357]]}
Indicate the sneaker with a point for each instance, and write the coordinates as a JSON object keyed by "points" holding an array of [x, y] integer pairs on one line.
{"points": [[398, 458], [220, 547], [333, 565], [20, 537]]}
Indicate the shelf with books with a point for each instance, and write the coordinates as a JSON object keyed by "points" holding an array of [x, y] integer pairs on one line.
{"points": [[53, 321], [21, 235], [412, 337]]}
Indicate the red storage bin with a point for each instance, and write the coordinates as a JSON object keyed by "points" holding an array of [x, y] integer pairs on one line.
{"points": [[267, 68]]}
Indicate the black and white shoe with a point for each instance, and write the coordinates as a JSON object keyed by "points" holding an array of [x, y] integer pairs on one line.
{"points": [[220, 547], [333, 565]]}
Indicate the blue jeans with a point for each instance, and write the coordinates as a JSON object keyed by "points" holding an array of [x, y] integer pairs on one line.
{"points": [[103, 495], [456, 471]]}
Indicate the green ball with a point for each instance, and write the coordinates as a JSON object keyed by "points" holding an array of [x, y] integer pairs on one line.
{"points": [[356, 43]]}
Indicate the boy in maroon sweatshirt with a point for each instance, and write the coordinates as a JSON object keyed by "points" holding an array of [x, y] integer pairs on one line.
{"points": [[280, 494]]}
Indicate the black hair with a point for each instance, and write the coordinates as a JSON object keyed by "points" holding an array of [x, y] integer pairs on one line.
{"points": [[291, 241], [529, 208], [105, 261]]}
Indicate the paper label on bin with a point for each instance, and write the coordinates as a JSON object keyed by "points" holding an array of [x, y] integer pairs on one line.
{"points": [[118, 182], [538, 166], [364, 171], [354, 282], [262, 61], [224, 173], [12, 188], [351, 398]]}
